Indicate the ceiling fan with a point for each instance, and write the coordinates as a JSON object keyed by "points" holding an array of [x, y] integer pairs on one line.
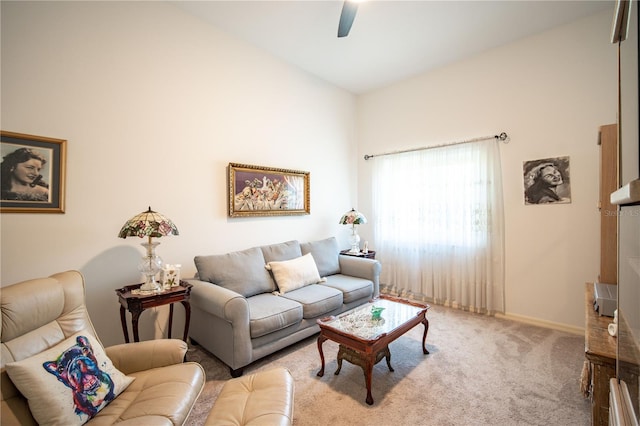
{"points": [[347, 16]]}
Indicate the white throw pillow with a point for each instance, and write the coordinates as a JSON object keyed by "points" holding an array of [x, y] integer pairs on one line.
{"points": [[295, 273], [70, 382]]}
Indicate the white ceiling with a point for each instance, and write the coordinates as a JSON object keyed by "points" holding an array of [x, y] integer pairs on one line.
{"points": [[389, 40]]}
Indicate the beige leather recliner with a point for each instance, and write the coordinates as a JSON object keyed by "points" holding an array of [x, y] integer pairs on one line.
{"points": [[40, 313]]}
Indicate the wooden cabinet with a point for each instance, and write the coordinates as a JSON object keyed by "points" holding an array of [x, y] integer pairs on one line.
{"points": [[599, 346], [608, 141], [600, 354]]}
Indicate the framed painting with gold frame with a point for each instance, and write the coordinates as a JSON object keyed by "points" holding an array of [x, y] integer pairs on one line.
{"points": [[33, 173], [267, 191]]}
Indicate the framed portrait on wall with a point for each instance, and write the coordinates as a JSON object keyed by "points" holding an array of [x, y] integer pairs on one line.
{"points": [[33, 173], [547, 181], [267, 191]]}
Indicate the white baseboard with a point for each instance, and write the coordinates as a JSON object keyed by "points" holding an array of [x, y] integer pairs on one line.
{"points": [[542, 323], [384, 289]]}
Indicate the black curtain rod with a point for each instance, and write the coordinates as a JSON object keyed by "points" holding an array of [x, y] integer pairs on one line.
{"points": [[502, 137]]}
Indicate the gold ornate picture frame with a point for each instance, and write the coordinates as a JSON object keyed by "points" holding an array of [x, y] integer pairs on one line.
{"points": [[267, 191], [33, 173]]}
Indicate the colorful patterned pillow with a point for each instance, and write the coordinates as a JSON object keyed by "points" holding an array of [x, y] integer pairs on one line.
{"points": [[70, 382]]}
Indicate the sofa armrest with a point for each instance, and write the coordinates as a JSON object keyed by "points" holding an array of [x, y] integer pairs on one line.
{"points": [[362, 268], [219, 301], [139, 356], [221, 323]]}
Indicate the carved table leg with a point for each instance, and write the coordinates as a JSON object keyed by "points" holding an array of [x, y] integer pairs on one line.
{"points": [[340, 357], [387, 354], [425, 321], [367, 377], [134, 323], [187, 318], [321, 340], [170, 320], [123, 320]]}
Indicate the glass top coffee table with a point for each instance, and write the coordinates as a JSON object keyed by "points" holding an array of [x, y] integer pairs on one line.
{"points": [[364, 341]]}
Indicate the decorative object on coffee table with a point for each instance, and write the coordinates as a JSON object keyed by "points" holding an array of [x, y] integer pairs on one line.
{"points": [[353, 218], [376, 312], [149, 224]]}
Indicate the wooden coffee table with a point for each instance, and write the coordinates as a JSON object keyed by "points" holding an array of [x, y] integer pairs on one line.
{"points": [[364, 341]]}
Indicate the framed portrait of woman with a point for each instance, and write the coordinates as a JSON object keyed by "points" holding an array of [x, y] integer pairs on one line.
{"points": [[33, 173], [547, 181]]}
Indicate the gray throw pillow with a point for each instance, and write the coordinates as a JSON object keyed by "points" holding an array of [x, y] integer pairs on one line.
{"points": [[281, 252], [325, 253], [241, 271]]}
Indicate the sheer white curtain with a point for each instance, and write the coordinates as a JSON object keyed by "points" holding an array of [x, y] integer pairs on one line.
{"points": [[439, 227]]}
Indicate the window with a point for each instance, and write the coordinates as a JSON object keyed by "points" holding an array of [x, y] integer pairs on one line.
{"points": [[438, 223]]}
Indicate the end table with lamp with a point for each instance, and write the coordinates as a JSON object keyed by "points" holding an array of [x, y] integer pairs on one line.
{"points": [[353, 218], [134, 300], [149, 224]]}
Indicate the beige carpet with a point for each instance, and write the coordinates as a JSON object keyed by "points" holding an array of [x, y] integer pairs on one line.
{"points": [[481, 371]]}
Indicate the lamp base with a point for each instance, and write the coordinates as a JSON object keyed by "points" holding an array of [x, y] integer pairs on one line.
{"points": [[150, 265], [354, 239], [151, 284]]}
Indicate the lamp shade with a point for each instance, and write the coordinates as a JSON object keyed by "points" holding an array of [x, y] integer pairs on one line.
{"points": [[148, 224], [352, 217]]}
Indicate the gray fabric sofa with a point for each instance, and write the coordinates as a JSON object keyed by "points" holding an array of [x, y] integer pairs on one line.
{"points": [[238, 311]]}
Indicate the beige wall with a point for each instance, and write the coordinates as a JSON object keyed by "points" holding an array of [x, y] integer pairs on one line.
{"points": [[154, 105], [550, 93]]}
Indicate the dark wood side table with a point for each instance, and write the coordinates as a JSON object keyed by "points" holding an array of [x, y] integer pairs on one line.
{"points": [[368, 255], [600, 352], [135, 303]]}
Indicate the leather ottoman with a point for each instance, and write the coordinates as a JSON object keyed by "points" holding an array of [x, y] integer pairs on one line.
{"points": [[263, 398]]}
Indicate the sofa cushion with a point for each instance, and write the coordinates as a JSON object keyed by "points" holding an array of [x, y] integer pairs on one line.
{"points": [[352, 288], [295, 273], [269, 313], [69, 382], [316, 300], [282, 251], [241, 271], [325, 253]]}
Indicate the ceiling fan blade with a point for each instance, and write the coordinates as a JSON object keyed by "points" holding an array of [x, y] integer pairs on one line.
{"points": [[347, 16]]}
